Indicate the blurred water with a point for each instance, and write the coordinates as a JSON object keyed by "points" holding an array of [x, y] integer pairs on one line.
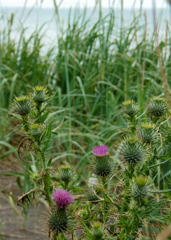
{"points": [[34, 19]]}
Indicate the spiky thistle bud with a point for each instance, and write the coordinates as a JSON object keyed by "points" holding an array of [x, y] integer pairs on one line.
{"points": [[94, 194], [103, 164], [141, 188], [65, 173], [157, 107], [35, 130], [132, 151], [147, 133], [58, 221], [97, 231], [39, 94], [22, 105], [130, 108]]}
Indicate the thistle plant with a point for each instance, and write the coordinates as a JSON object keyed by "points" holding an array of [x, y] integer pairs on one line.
{"points": [[66, 176], [97, 231], [22, 105], [102, 163], [122, 199], [147, 133], [141, 189], [65, 173], [39, 94], [157, 108], [58, 220], [132, 151], [130, 108]]}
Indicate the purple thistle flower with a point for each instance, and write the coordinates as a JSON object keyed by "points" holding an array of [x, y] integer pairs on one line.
{"points": [[100, 151], [62, 198]]}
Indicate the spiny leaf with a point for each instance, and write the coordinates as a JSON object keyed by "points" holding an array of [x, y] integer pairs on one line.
{"points": [[109, 200]]}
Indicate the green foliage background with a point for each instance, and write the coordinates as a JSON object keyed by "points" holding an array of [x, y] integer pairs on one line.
{"points": [[92, 72]]}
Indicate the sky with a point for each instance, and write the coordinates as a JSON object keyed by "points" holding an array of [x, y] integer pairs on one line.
{"points": [[82, 3]]}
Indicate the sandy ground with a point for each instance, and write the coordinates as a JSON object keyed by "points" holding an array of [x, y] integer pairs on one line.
{"points": [[11, 220]]}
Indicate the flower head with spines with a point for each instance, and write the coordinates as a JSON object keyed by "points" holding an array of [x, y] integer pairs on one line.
{"points": [[35, 130], [141, 187], [147, 133], [58, 219], [22, 105], [100, 151], [102, 163], [97, 231], [66, 173], [39, 94], [132, 150], [157, 107], [130, 108]]}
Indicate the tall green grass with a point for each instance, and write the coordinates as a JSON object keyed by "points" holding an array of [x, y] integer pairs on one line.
{"points": [[93, 68]]}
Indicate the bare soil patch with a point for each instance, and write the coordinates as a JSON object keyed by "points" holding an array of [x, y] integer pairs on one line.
{"points": [[11, 220]]}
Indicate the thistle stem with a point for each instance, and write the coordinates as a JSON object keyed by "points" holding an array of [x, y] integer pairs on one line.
{"points": [[104, 182], [25, 123], [47, 186]]}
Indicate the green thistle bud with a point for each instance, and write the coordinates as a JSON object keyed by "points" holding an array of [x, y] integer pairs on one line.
{"points": [[103, 166], [157, 107], [97, 231], [130, 108], [22, 105], [58, 221], [39, 94], [132, 151], [147, 133], [141, 188], [65, 173], [36, 130]]}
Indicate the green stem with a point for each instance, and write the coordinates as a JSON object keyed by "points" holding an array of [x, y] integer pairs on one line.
{"points": [[43, 162], [126, 194], [38, 107], [25, 123], [104, 182], [66, 185], [54, 236], [47, 181], [47, 186]]}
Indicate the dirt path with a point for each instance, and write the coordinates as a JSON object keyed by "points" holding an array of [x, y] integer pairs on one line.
{"points": [[12, 223], [11, 220]]}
